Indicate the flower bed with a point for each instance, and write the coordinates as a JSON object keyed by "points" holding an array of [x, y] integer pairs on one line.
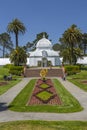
{"points": [[3, 83], [44, 93]]}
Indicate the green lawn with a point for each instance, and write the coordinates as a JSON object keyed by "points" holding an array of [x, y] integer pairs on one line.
{"points": [[10, 84], [44, 85], [69, 103], [44, 95], [4, 88], [44, 125], [78, 79], [3, 71]]}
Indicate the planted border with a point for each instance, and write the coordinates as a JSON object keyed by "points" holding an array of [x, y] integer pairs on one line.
{"points": [[44, 93], [70, 104]]}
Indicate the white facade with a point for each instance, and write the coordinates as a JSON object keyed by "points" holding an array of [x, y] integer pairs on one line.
{"points": [[4, 61], [44, 55], [82, 61]]}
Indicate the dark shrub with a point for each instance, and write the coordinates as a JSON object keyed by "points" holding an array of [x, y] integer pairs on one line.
{"points": [[16, 70], [8, 65], [72, 69], [83, 67]]}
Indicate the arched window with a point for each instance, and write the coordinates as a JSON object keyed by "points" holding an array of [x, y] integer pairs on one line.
{"points": [[44, 54]]}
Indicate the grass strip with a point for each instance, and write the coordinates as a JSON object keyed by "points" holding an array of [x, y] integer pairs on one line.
{"points": [[78, 78], [23, 97], [44, 125], [69, 102]]}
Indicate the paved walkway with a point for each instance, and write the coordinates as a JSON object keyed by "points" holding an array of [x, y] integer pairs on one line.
{"points": [[7, 115]]}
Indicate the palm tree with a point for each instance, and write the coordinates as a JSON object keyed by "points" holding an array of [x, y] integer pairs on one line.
{"points": [[5, 41], [18, 56], [77, 54], [72, 37], [16, 27], [84, 42], [65, 53]]}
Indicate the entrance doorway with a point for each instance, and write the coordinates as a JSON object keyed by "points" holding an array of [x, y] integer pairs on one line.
{"points": [[44, 62]]}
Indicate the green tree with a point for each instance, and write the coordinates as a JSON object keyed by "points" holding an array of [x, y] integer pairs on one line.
{"points": [[72, 37], [32, 45], [56, 47], [84, 42], [29, 46], [18, 56], [16, 27], [5, 42], [65, 53], [77, 54], [40, 36]]}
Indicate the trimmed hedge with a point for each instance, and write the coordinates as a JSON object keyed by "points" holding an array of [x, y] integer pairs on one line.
{"points": [[72, 69], [8, 65], [84, 68], [16, 70]]}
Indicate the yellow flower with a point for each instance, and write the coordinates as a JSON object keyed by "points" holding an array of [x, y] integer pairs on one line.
{"points": [[43, 73]]}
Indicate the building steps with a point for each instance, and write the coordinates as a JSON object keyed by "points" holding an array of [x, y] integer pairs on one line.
{"points": [[51, 72]]}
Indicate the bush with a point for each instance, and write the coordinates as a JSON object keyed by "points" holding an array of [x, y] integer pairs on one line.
{"points": [[8, 65], [18, 56], [72, 69], [83, 67], [16, 70]]}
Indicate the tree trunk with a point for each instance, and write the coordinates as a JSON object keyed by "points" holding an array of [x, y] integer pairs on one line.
{"points": [[3, 51], [16, 37], [72, 53], [85, 48]]}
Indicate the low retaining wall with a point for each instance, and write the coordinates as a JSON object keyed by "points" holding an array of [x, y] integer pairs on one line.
{"points": [[51, 73]]}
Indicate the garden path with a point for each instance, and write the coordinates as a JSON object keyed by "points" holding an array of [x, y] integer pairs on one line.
{"points": [[7, 115]]}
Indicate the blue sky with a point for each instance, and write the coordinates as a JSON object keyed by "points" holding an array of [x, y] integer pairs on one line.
{"points": [[51, 16]]}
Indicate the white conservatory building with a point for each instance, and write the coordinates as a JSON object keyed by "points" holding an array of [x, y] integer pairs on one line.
{"points": [[44, 55]]}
